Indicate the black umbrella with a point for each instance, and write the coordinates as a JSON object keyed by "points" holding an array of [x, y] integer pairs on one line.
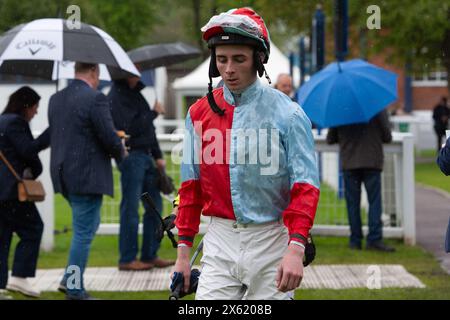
{"points": [[40, 47], [164, 54]]}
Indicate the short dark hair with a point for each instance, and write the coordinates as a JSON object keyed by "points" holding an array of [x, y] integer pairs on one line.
{"points": [[21, 100], [82, 67]]}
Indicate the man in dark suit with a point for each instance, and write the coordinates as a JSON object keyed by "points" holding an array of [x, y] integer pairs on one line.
{"points": [[132, 114], [83, 140], [361, 154]]}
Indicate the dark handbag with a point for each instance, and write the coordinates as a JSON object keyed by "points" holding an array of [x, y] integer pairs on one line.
{"points": [[165, 183], [27, 189]]}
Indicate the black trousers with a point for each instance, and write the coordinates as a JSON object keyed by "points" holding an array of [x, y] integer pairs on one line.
{"points": [[22, 218]]}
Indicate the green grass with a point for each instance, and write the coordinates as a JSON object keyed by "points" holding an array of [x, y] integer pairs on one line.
{"points": [[332, 209], [330, 250], [428, 172], [429, 153]]}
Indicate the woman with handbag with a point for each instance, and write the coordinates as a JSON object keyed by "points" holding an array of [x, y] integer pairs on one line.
{"points": [[19, 161]]}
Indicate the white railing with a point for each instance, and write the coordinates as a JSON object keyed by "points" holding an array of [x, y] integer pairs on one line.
{"points": [[331, 219], [397, 189], [420, 124]]}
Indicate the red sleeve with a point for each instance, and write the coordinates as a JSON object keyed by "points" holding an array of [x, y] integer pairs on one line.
{"points": [[189, 211], [299, 215]]}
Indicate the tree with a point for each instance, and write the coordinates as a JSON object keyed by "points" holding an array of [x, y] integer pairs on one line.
{"points": [[291, 18], [127, 22], [14, 12], [413, 32]]}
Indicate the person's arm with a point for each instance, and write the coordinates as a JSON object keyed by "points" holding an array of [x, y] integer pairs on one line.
{"points": [[436, 114], [182, 265], [300, 213], [443, 159], [103, 125], [40, 143], [154, 146], [155, 149], [43, 141], [19, 136], [158, 108], [118, 116], [332, 136], [189, 210], [190, 205], [386, 134]]}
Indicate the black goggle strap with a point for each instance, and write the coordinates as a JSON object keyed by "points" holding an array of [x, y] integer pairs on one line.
{"points": [[267, 75], [257, 57], [212, 102]]}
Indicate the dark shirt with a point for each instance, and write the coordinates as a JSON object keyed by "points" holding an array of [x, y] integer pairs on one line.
{"points": [[441, 114], [21, 150], [361, 145], [132, 114]]}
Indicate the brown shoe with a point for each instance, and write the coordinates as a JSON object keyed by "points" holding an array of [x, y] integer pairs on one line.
{"points": [[161, 263], [135, 266]]}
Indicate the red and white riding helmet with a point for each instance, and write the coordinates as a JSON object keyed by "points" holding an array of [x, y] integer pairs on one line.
{"points": [[238, 26]]}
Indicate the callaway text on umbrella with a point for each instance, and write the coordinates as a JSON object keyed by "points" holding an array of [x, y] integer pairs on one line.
{"points": [[37, 49]]}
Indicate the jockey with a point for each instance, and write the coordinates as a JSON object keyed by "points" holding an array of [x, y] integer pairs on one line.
{"points": [[249, 166]]}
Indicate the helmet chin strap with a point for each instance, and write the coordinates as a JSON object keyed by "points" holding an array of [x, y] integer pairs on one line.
{"points": [[267, 75], [258, 57], [261, 70], [213, 72], [212, 101]]}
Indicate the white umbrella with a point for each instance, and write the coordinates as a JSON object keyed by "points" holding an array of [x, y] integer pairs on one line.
{"points": [[39, 47]]}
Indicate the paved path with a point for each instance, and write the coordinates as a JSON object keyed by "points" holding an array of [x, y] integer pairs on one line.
{"points": [[316, 277], [432, 216]]}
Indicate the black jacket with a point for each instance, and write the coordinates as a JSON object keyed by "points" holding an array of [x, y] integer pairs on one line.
{"points": [[443, 159], [361, 145], [441, 113], [83, 141], [132, 114], [21, 150]]}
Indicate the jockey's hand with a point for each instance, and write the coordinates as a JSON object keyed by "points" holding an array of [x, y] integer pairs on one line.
{"points": [[182, 265], [290, 271]]}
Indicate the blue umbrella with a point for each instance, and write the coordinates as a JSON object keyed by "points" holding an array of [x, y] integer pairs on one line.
{"points": [[347, 92]]}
